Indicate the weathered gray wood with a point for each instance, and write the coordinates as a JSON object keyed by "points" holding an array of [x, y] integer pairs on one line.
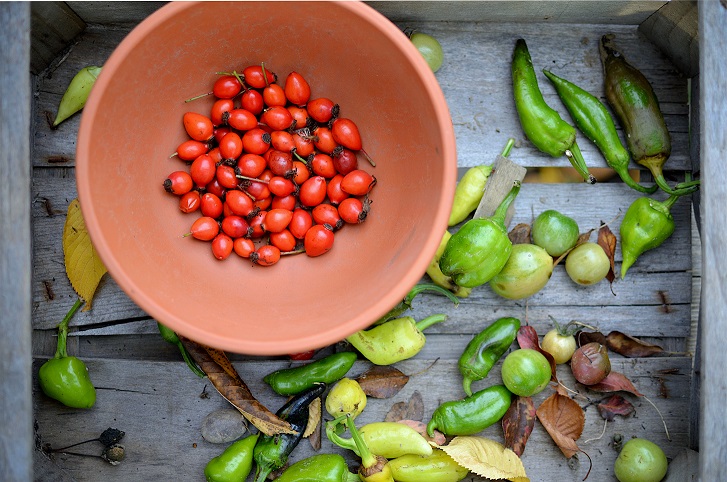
{"points": [[16, 416], [162, 419], [53, 26], [115, 13], [713, 145], [684, 467], [674, 29]]}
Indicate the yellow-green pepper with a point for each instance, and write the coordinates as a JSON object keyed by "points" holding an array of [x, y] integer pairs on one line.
{"points": [[436, 467]]}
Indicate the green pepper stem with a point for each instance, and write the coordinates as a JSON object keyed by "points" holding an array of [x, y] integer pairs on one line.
{"points": [[623, 173], [501, 211], [336, 439], [576, 159], [430, 320], [367, 458], [406, 304], [63, 330], [508, 147], [668, 203], [351, 477]]}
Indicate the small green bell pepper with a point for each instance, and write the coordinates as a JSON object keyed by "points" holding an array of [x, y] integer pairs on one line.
{"points": [[329, 369], [319, 468], [440, 279], [471, 414], [65, 378], [234, 464], [437, 467]]}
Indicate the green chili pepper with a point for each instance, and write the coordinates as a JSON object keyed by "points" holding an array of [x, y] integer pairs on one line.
{"points": [[234, 464], [596, 123], [439, 278], [170, 337], [406, 304], [76, 95], [437, 467], [541, 124], [319, 468], [646, 225], [291, 381], [471, 414], [271, 451], [637, 108], [390, 440], [374, 467], [395, 340], [481, 247], [65, 378], [485, 349], [346, 397]]}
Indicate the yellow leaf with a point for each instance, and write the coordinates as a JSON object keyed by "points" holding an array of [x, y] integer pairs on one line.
{"points": [[83, 266], [486, 458]]}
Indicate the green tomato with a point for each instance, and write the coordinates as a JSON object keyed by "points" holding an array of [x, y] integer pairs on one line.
{"points": [[560, 346], [640, 460], [430, 49], [554, 232], [526, 372], [587, 264], [526, 272]]}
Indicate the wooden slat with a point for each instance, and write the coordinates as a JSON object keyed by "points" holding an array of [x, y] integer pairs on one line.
{"points": [[674, 29], [53, 26], [115, 13], [16, 415]]}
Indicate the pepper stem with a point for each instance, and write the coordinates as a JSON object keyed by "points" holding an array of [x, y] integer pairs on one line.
{"points": [[406, 304], [430, 320], [501, 211], [668, 203], [336, 439], [367, 458], [576, 159], [654, 164], [623, 173], [63, 330], [508, 147]]}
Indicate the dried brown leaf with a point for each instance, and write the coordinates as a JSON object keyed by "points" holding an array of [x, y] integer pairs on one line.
{"points": [[586, 337], [631, 347], [615, 382], [410, 410], [518, 423], [314, 417], [564, 420], [382, 381], [438, 438], [228, 383], [520, 234], [607, 241], [527, 337], [614, 405]]}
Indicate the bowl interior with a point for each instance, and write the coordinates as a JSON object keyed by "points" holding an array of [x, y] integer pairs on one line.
{"points": [[132, 123]]}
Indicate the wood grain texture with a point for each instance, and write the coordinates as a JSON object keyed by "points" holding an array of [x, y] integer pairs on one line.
{"points": [[16, 415], [674, 29], [53, 27]]}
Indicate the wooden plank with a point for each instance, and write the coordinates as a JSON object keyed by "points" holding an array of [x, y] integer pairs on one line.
{"points": [[53, 27], [137, 397], [674, 29], [115, 13], [713, 145], [16, 415]]}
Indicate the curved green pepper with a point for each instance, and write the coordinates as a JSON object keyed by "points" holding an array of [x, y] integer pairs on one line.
{"points": [[76, 95], [437, 467], [390, 440], [393, 341], [319, 468], [594, 120], [483, 351], [374, 467], [169, 336], [636, 106], [541, 124], [439, 278], [271, 451], [471, 414], [329, 369], [65, 378], [234, 463], [646, 225], [481, 247]]}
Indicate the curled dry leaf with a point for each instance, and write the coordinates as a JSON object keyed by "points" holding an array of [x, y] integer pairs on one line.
{"points": [[437, 439], [314, 417], [382, 381], [527, 337], [615, 382], [614, 405], [226, 380], [520, 234], [607, 241], [631, 347], [83, 265], [410, 410], [518, 423], [564, 420], [486, 458]]}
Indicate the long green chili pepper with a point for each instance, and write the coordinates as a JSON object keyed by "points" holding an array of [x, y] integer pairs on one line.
{"points": [[596, 123], [329, 369], [646, 225], [169, 336], [271, 451], [636, 106], [540, 122], [483, 351], [481, 247], [374, 467], [319, 468], [437, 467], [471, 414], [406, 304], [65, 378]]}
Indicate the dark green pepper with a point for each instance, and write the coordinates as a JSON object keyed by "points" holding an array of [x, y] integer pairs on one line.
{"points": [[65, 378], [329, 369], [471, 414], [636, 106], [169, 336], [319, 468], [596, 123], [271, 451], [542, 125], [234, 464], [483, 351], [481, 247], [646, 225]]}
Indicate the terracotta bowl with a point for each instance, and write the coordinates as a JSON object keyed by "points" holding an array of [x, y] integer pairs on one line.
{"points": [[133, 122]]}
